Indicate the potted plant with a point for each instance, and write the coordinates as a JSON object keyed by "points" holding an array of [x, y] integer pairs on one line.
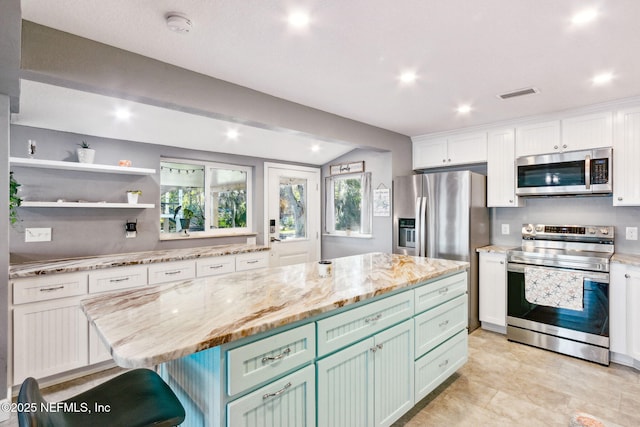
{"points": [[86, 154], [14, 200], [187, 214], [132, 196]]}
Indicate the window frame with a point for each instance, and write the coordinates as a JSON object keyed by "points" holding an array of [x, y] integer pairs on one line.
{"points": [[208, 231], [366, 206]]}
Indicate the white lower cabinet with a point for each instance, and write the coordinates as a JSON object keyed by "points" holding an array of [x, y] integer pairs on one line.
{"points": [[624, 316], [48, 338], [98, 351], [286, 402], [492, 294], [369, 383]]}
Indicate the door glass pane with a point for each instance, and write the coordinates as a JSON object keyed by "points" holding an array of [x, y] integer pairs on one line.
{"points": [[228, 198], [293, 208], [181, 197]]}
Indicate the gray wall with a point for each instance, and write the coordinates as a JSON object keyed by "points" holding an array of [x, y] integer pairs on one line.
{"points": [[336, 246], [85, 232], [567, 210]]}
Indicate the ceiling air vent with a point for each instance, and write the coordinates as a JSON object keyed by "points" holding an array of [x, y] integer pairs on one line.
{"points": [[519, 92]]}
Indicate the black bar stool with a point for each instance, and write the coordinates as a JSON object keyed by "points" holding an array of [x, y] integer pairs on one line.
{"points": [[136, 398]]}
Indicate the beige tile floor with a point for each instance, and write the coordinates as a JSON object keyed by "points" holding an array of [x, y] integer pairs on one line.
{"points": [[503, 384]]}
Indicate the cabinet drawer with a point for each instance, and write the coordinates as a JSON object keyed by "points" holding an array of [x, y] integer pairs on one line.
{"points": [[435, 367], [439, 324], [289, 401], [262, 360], [45, 288], [345, 328], [171, 271], [252, 261], [113, 279], [215, 265], [440, 291]]}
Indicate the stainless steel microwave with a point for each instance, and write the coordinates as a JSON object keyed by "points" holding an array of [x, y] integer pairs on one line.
{"points": [[585, 172]]}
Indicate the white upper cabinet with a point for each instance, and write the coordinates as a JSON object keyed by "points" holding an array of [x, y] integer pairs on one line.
{"points": [[501, 170], [539, 138], [626, 158], [588, 131], [448, 151]]}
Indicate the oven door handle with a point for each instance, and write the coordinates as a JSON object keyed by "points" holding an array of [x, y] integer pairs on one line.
{"points": [[590, 275]]}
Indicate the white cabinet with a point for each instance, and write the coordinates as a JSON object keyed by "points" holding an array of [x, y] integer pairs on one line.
{"points": [[251, 261], [171, 271], [289, 401], [447, 151], [436, 366], [587, 131], [440, 323], [626, 158], [214, 266], [49, 337], [501, 169], [624, 316], [369, 383], [98, 351], [113, 279], [538, 138], [492, 297]]}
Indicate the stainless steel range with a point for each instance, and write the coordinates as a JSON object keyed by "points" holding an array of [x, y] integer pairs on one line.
{"points": [[558, 289]]}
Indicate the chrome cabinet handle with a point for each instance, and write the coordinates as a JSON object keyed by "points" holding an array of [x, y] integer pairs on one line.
{"points": [[444, 160], [627, 276], [449, 160], [171, 273], [619, 199], [277, 393], [122, 279], [444, 290], [555, 147], [445, 363], [376, 348], [445, 323], [564, 145], [278, 357], [502, 262], [374, 318], [253, 261], [55, 288], [212, 267], [510, 201]]}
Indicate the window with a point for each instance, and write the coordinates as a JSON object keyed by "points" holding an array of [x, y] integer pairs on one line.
{"points": [[348, 205], [204, 199]]}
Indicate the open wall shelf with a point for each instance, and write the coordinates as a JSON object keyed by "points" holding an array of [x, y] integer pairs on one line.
{"points": [[73, 166]]}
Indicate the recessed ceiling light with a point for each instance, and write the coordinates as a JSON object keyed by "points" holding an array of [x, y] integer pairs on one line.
{"points": [[122, 114], [232, 134], [408, 77], [584, 17], [315, 148], [464, 109], [298, 19], [178, 22], [603, 78]]}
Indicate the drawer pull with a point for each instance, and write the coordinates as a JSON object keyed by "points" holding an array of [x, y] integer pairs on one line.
{"points": [[216, 266], [55, 288], [253, 261], [277, 393], [445, 323], [374, 318], [122, 279], [376, 348], [278, 357], [171, 273], [443, 364], [443, 290]]}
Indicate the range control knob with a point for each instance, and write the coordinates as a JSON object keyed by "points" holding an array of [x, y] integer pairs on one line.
{"points": [[529, 228], [604, 231], [539, 228], [592, 231]]}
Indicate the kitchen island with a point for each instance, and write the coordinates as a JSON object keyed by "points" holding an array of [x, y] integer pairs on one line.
{"points": [[246, 348]]}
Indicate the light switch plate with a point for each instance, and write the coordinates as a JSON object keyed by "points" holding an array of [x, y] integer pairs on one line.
{"points": [[505, 228], [37, 234], [632, 233]]}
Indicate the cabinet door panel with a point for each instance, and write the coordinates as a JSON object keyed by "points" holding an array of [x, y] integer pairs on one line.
{"points": [[393, 373], [215, 265], [492, 288], [252, 261], [287, 402], [439, 324], [589, 131], [633, 314], [538, 138], [618, 307], [501, 169], [171, 271], [440, 291], [429, 153], [49, 287], [49, 338], [98, 351], [626, 157], [467, 148], [112, 279], [345, 387]]}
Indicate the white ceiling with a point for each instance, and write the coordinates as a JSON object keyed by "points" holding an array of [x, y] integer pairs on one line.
{"points": [[348, 61]]}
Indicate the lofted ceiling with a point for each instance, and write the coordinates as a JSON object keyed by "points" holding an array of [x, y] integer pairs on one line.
{"points": [[349, 59]]}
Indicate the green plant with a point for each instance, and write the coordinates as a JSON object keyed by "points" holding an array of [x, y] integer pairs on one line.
{"points": [[187, 213], [84, 144], [14, 199]]}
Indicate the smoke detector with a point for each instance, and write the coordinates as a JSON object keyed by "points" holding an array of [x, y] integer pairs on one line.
{"points": [[178, 22]]}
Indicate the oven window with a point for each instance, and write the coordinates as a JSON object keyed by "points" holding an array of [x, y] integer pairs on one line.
{"points": [[551, 175], [593, 319]]}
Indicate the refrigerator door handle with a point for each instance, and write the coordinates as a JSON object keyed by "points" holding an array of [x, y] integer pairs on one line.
{"points": [[423, 223], [418, 225]]}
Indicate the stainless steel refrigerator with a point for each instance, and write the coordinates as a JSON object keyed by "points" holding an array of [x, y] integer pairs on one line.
{"points": [[443, 215]]}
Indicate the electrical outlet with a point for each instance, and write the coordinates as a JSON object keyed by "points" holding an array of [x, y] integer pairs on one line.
{"points": [[632, 233], [505, 228], [37, 234]]}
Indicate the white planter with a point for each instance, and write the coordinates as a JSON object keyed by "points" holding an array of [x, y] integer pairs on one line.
{"points": [[132, 198], [86, 155]]}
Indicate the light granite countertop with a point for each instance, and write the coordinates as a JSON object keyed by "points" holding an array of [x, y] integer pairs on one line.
{"points": [[495, 249], [70, 265], [628, 259], [152, 325]]}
